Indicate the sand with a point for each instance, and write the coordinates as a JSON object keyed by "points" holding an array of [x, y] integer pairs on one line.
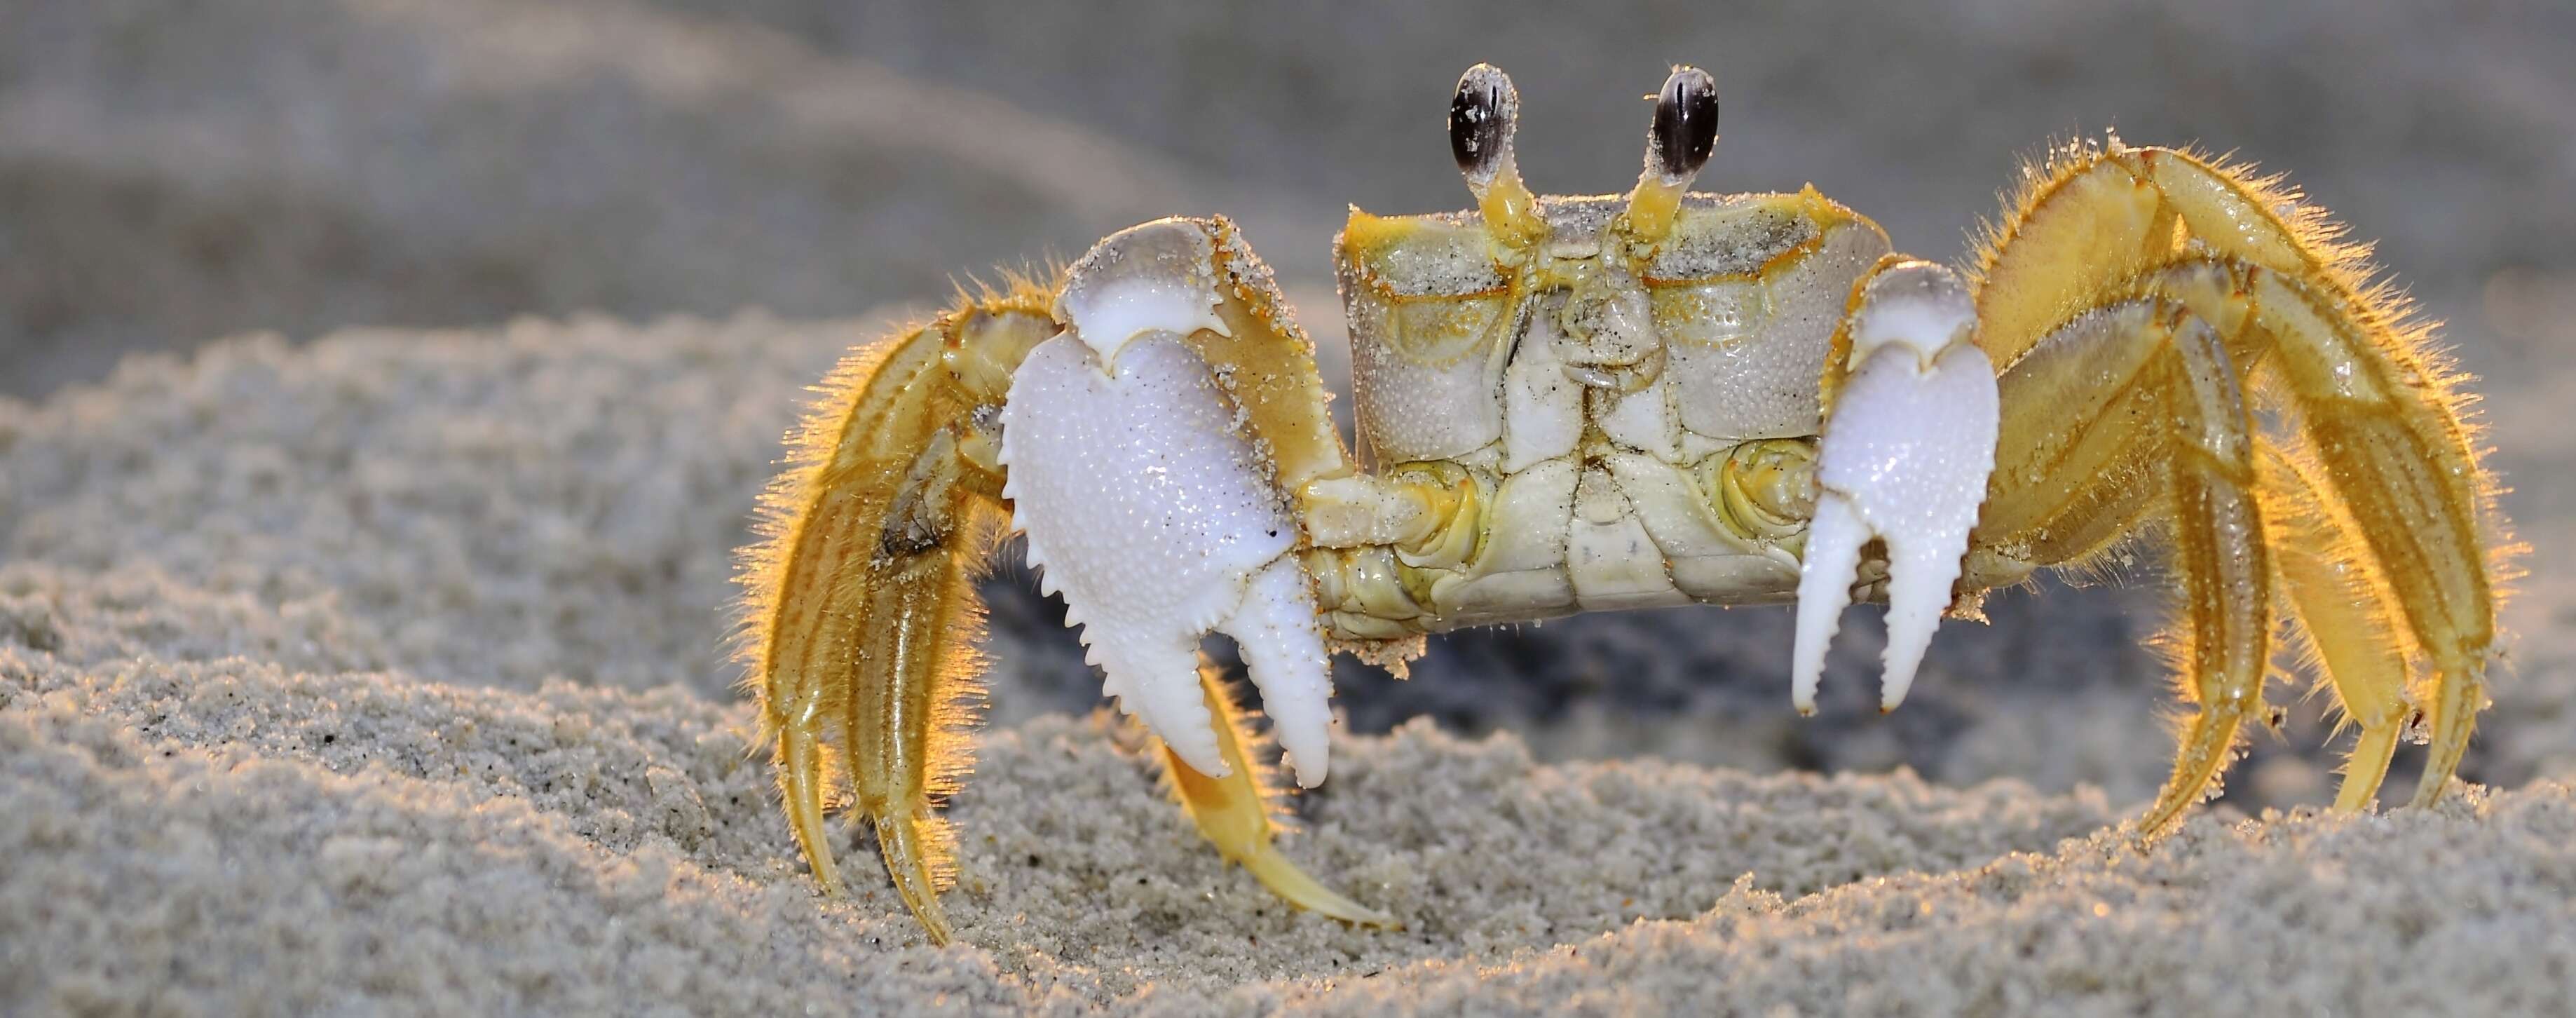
{"points": [[381, 675]]}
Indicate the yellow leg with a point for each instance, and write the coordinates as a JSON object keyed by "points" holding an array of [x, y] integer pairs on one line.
{"points": [[2081, 454], [802, 777], [1240, 813], [2393, 450], [908, 739], [2340, 606], [2224, 562], [859, 611], [2397, 490], [2139, 410]]}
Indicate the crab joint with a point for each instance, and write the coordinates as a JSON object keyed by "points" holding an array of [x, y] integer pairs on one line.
{"points": [[1429, 512], [1764, 489], [1159, 277], [1379, 543], [1458, 508]]}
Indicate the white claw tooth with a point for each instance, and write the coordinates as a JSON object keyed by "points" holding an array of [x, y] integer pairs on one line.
{"points": [[1283, 648], [1145, 674], [1905, 458], [1920, 572], [1824, 590]]}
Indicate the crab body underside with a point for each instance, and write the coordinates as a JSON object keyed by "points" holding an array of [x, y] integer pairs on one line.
{"points": [[1575, 404]]}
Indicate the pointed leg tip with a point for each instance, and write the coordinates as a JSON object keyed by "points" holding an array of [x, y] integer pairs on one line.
{"points": [[2153, 826], [2165, 816], [2366, 768], [1294, 886]]}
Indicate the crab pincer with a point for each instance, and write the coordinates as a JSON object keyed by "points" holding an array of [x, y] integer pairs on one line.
{"points": [[1909, 441], [1152, 511], [1149, 511]]}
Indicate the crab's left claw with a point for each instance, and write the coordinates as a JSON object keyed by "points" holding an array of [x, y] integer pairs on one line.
{"points": [[1908, 443], [1151, 510]]}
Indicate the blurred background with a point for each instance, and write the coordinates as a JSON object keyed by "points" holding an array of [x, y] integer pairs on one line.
{"points": [[174, 173]]}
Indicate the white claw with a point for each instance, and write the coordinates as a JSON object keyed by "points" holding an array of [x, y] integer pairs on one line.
{"points": [[1905, 458], [1151, 513]]}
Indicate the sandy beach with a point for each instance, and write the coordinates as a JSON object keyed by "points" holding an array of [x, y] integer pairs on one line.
{"points": [[326, 687], [385, 387]]}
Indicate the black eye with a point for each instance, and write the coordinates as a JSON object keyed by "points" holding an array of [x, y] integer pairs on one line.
{"points": [[1480, 118], [1686, 121]]}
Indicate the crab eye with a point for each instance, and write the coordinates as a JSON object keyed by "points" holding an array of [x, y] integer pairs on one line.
{"points": [[1480, 118], [1685, 122]]}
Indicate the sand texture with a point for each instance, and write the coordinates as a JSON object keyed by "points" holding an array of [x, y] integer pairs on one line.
{"points": [[377, 675]]}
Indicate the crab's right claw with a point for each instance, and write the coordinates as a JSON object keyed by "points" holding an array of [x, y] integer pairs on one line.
{"points": [[1909, 441], [1151, 510]]}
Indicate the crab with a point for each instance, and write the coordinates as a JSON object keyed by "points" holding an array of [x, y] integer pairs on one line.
{"points": [[1568, 404]]}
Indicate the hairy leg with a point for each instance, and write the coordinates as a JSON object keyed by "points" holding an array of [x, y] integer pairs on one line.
{"points": [[2386, 482], [2341, 613], [2130, 412], [860, 612], [2385, 417]]}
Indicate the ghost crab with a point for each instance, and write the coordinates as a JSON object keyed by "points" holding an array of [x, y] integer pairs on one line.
{"points": [[1622, 401]]}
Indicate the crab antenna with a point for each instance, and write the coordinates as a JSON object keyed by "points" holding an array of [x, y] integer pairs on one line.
{"points": [[1482, 117], [1679, 143]]}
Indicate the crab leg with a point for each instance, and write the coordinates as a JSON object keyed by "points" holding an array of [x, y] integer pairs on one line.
{"points": [[859, 615], [1908, 444], [2385, 426], [2222, 556], [1240, 812], [2139, 408], [2397, 501], [2340, 604]]}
